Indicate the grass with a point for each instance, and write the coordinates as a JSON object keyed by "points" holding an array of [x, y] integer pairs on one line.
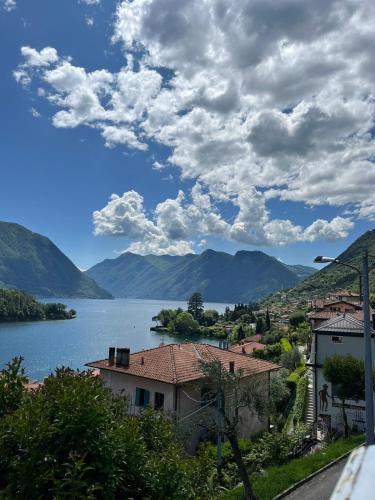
{"points": [[278, 479], [286, 345]]}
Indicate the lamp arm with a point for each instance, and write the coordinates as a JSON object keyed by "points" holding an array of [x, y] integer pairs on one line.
{"points": [[337, 261]]}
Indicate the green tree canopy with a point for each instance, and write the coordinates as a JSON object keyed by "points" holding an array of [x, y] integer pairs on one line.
{"points": [[195, 305], [210, 317], [72, 438], [347, 375], [186, 324], [297, 318]]}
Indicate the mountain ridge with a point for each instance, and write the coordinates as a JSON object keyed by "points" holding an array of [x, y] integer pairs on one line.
{"points": [[33, 263], [335, 276], [219, 276]]}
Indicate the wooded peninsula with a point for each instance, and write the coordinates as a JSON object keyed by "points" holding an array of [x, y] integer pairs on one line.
{"points": [[16, 305]]}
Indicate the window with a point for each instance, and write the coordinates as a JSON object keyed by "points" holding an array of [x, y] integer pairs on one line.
{"points": [[336, 339], [159, 401], [142, 397], [207, 396]]}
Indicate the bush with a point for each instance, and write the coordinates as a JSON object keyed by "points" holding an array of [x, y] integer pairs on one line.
{"points": [[286, 345], [72, 438], [299, 407], [297, 318]]}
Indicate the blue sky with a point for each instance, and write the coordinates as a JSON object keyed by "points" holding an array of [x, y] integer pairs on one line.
{"points": [[250, 174]]}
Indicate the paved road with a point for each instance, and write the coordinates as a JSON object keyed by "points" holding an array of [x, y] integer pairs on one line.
{"points": [[321, 486]]}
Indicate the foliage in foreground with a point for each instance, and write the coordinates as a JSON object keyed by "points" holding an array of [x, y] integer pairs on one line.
{"points": [[20, 306], [278, 478], [262, 451], [72, 439]]}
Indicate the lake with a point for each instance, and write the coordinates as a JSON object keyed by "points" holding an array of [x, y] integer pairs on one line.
{"points": [[99, 324]]}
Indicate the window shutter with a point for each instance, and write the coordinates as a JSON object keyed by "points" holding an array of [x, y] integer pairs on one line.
{"points": [[147, 397], [137, 396]]}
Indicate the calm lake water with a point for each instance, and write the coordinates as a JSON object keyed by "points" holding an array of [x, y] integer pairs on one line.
{"points": [[99, 324]]}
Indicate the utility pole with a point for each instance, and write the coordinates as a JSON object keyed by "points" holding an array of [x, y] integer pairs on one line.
{"points": [[369, 388], [219, 401]]}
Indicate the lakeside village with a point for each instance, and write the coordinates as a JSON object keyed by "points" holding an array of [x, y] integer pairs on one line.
{"points": [[281, 396]]}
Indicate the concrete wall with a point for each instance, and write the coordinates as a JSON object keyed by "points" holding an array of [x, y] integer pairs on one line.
{"points": [[355, 410], [121, 383], [194, 421]]}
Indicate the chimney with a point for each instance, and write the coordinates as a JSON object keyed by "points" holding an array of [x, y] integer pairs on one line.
{"points": [[231, 366], [122, 357], [111, 356], [142, 360]]}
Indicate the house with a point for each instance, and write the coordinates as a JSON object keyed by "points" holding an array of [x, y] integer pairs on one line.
{"points": [[247, 347], [169, 378], [346, 295], [340, 335]]}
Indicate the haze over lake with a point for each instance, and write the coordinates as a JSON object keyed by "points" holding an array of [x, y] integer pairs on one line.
{"points": [[99, 324]]}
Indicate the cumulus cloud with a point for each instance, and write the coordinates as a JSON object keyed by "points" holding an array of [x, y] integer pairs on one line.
{"points": [[254, 99], [176, 222], [8, 5]]}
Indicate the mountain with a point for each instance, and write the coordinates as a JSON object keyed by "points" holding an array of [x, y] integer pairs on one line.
{"points": [[335, 276], [302, 272], [220, 277], [31, 262]]}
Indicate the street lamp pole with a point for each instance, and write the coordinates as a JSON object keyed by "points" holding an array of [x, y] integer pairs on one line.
{"points": [[365, 292], [369, 387]]}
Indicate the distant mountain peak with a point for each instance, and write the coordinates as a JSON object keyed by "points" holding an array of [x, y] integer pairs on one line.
{"points": [[219, 276], [31, 262]]}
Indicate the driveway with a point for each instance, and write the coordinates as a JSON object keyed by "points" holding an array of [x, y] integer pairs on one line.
{"points": [[321, 486]]}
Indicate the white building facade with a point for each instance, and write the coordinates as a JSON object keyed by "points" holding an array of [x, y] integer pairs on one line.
{"points": [[341, 336]]}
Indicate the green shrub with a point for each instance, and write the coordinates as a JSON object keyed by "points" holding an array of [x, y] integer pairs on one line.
{"points": [[72, 438], [299, 407], [286, 345]]}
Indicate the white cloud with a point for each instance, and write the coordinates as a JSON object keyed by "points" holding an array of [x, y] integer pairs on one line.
{"points": [[90, 2], [257, 100], [176, 222], [35, 113], [89, 21], [45, 57], [8, 5]]}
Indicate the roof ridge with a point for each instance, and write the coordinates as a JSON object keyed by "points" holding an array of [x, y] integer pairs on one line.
{"points": [[174, 371]]}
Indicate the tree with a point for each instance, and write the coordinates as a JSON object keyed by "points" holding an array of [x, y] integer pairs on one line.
{"points": [[297, 318], [186, 324], [240, 333], [165, 316], [268, 320], [210, 317], [291, 359], [234, 393], [347, 375], [72, 438], [260, 326], [12, 386], [195, 305]]}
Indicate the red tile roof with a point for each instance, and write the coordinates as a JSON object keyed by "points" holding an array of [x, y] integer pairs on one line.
{"points": [[254, 338], [178, 363], [333, 314], [249, 347]]}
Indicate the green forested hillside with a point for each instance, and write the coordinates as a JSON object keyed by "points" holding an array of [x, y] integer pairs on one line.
{"points": [[243, 277], [31, 262], [335, 276], [20, 306]]}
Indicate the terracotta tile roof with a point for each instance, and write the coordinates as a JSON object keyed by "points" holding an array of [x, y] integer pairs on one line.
{"points": [[178, 363], [334, 314], [254, 338], [249, 347]]}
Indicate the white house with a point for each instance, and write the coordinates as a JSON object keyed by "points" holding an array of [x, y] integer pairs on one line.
{"points": [[169, 378], [340, 335]]}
